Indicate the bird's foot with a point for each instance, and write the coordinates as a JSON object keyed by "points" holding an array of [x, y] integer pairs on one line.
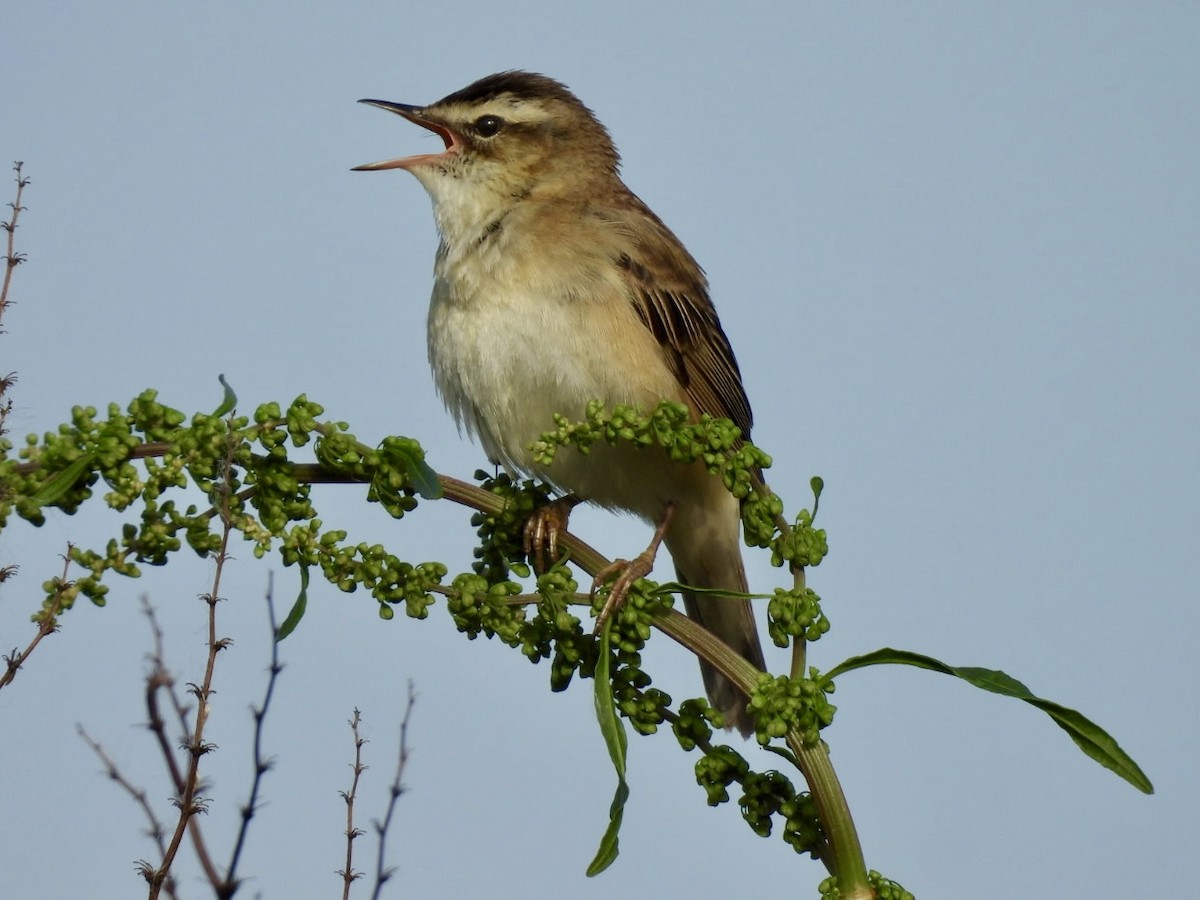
{"points": [[627, 571], [539, 538]]}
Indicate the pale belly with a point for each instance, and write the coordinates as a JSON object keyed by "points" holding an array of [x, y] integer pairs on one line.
{"points": [[506, 366]]}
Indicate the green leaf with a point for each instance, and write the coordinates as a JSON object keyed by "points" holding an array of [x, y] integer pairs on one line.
{"points": [[229, 401], [817, 483], [1090, 737], [54, 489], [296, 613], [424, 479], [617, 743]]}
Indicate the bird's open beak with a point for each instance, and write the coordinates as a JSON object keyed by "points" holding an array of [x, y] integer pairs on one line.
{"points": [[413, 114]]}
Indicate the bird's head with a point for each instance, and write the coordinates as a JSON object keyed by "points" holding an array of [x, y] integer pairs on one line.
{"points": [[507, 137]]}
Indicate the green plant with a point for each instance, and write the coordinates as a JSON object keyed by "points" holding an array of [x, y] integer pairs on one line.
{"points": [[242, 478]]}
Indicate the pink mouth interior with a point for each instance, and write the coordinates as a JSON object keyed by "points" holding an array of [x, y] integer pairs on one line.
{"points": [[448, 139], [445, 134]]}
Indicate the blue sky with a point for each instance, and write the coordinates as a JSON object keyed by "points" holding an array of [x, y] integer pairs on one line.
{"points": [[954, 247]]}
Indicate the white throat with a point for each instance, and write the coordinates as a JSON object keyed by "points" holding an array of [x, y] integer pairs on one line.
{"points": [[464, 205]]}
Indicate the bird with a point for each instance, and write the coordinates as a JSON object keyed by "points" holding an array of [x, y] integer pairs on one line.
{"points": [[556, 286]]}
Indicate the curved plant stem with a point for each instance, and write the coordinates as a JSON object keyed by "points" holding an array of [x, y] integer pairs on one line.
{"points": [[845, 857]]}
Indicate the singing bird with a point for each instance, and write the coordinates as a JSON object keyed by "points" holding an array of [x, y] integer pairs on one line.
{"points": [[555, 285]]}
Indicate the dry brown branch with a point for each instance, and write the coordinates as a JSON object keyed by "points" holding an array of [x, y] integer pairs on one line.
{"points": [[12, 259], [189, 801], [349, 876], [155, 831], [382, 874], [160, 680], [261, 764]]}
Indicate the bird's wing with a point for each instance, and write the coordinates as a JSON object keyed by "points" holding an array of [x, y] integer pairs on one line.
{"points": [[669, 292]]}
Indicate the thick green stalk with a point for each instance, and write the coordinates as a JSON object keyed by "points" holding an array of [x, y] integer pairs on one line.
{"points": [[845, 859]]}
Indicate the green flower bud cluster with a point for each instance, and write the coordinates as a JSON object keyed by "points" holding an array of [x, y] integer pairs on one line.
{"points": [[633, 623], [780, 703], [693, 724], [388, 469], [738, 466], [764, 794], [760, 515], [644, 706], [717, 769], [716, 442], [669, 426], [389, 579], [60, 595], [558, 631], [624, 423], [151, 543], [60, 470], [501, 536], [391, 482], [481, 606], [242, 466], [629, 424], [279, 498], [802, 829], [300, 420], [795, 613], [767, 794], [630, 628], [884, 888], [803, 546], [478, 607], [567, 433]]}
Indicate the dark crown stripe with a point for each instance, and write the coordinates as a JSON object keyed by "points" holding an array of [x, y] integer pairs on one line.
{"points": [[522, 85]]}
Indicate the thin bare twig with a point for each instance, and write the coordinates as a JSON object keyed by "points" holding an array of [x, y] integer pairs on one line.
{"points": [[261, 765], [47, 624], [155, 832], [11, 257], [189, 801], [161, 680], [382, 874], [349, 876]]}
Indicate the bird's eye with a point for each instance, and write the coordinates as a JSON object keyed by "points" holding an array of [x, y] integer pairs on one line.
{"points": [[488, 126]]}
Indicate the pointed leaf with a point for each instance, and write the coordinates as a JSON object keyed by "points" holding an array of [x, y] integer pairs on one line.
{"points": [[54, 488], [424, 480], [615, 739], [228, 402], [296, 613], [1090, 737]]}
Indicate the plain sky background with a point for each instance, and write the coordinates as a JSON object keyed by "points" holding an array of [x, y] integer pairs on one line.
{"points": [[955, 246]]}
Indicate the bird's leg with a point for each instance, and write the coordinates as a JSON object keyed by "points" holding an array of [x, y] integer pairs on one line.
{"points": [[540, 535], [629, 570]]}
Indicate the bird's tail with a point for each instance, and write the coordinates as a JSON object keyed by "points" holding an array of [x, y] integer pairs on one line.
{"points": [[710, 557]]}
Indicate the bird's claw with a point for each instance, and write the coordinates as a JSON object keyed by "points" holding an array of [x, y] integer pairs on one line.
{"points": [[627, 571], [539, 538]]}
